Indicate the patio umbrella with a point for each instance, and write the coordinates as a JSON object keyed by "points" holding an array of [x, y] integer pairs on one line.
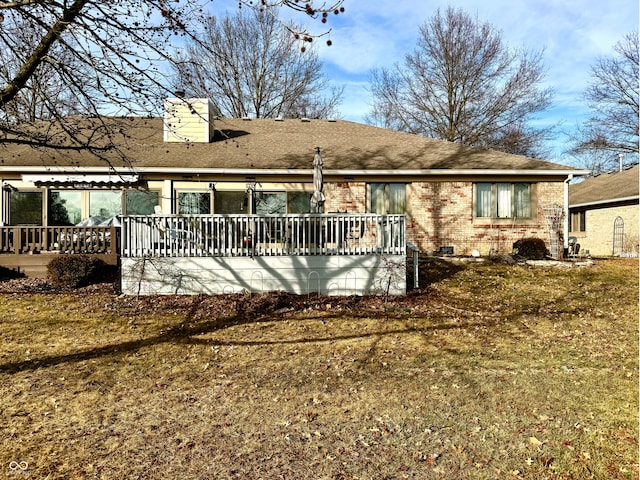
{"points": [[317, 199]]}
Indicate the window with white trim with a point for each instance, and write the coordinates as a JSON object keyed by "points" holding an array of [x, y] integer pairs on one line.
{"points": [[269, 203], [578, 221], [387, 198], [503, 200], [65, 207], [230, 202]]}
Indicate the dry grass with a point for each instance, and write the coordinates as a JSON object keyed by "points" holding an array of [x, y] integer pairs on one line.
{"points": [[493, 371]]}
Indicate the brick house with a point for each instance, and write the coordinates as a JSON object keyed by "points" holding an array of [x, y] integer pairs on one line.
{"points": [[457, 199], [604, 213]]}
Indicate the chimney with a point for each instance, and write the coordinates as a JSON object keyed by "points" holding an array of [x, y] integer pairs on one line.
{"points": [[188, 119]]}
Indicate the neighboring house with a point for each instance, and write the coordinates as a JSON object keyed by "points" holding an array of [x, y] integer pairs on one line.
{"points": [[604, 213], [457, 200]]}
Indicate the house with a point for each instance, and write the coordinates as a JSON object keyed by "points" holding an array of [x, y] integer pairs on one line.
{"points": [[452, 199], [603, 213]]}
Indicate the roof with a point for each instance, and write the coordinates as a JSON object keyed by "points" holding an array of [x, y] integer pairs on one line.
{"points": [[281, 144], [610, 187]]}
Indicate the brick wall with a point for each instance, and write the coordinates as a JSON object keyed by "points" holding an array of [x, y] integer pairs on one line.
{"points": [[346, 197], [440, 214], [598, 237]]}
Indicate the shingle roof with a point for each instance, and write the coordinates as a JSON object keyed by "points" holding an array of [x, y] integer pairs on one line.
{"points": [[285, 144], [606, 187]]}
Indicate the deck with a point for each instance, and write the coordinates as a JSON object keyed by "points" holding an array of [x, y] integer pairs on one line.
{"points": [[334, 254], [29, 249], [329, 254]]}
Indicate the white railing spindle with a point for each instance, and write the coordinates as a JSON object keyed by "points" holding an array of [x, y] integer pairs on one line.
{"points": [[255, 235]]}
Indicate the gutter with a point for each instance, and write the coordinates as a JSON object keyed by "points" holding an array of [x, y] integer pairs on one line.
{"points": [[604, 202], [565, 226], [291, 171]]}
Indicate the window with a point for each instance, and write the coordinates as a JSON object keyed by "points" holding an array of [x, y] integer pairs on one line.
{"points": [[578, 222], [105, 204], [230, 202], [298, 202], [194, 203], [280, 203], [503, 200], [268, 203], [25, 208], [387, 198], [141, 202], [65, 207]]}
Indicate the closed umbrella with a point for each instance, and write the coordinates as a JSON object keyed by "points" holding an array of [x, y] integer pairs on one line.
{"points": [[317, 199]]}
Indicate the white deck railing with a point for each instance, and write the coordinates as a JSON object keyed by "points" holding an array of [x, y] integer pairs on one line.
{"points": [[257, 235]]}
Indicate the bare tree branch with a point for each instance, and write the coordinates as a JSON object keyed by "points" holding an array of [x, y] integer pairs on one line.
{"points": [[613, 97], [464, 85], [61, 60], [264, 76]]}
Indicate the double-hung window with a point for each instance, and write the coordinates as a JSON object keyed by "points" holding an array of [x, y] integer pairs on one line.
{"points": [[578, 221], [503, 200], [387, 198]]}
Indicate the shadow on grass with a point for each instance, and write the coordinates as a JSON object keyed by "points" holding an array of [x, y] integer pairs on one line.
{"points": [[9, 274], [433, 270], [188, 334]]}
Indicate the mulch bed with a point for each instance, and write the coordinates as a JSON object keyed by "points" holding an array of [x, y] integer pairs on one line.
{"points": [[198, 307]]}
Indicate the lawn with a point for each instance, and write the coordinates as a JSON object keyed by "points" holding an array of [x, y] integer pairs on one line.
{"points": [[488, 372]]}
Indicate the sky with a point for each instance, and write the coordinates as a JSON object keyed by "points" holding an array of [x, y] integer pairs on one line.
{"points": [[573, 33]]}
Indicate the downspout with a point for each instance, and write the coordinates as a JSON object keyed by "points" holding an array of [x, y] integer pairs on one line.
{"points": [[2, 201], [565, 232]]}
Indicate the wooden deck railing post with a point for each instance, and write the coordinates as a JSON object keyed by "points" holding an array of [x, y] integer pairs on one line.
{"points": [[17, 240]]}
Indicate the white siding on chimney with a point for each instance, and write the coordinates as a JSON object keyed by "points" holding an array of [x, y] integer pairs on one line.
{"points": [[188, 120]]}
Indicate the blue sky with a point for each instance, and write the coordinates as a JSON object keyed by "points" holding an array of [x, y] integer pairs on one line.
{"points": [[378, 33]]}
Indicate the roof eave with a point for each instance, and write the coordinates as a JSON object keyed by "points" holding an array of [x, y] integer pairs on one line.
{"points": [[291, 171], [604, 202]]}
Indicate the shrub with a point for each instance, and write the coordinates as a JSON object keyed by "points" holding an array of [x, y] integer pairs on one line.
{"points": [[531, 248], [73, 271]]}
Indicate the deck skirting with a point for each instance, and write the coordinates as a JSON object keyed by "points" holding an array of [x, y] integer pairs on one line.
{"points": [[325, 275]]}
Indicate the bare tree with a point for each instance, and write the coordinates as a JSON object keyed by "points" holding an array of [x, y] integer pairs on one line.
{"points": [[464, 85], [613, 97], [42, 89], [266, 75], [107, 58]]}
